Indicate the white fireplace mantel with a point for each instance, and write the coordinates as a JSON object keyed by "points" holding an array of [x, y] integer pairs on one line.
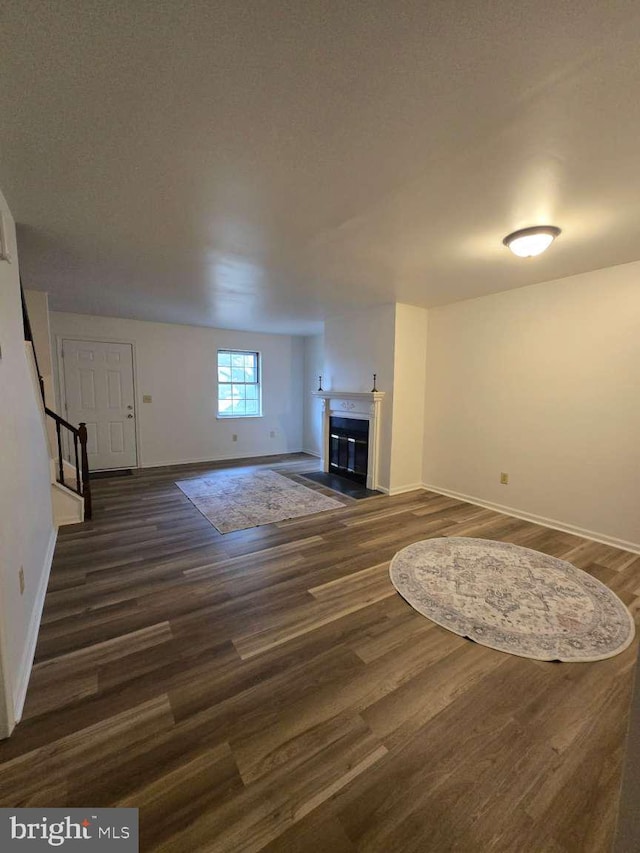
{"points": [[362, 405]]}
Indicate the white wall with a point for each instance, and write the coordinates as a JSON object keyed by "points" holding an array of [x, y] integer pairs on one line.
{"points": [[311, 407], [27, 533], [542, 383], [357, 345], [176, 365], [410, 356]]}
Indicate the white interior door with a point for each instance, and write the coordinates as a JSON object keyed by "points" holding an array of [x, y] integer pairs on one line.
{"points": [[98, 380]]}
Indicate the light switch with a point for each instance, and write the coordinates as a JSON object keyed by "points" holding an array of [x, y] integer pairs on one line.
{"points": [[146, 398]]}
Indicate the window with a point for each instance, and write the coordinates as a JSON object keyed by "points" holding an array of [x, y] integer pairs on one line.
{"points": [[239, 384]]}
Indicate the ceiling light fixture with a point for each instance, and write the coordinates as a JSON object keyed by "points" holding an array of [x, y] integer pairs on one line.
{"points": [[529, 242]]}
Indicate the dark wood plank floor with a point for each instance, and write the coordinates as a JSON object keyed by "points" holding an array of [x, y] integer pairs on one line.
{"points": [[269, 690]]}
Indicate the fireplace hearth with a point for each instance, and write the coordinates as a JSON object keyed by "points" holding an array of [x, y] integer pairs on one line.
{"points": [[349, 448]]}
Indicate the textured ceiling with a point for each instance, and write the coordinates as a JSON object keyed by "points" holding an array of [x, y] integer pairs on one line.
{"points": [[261, 165]]}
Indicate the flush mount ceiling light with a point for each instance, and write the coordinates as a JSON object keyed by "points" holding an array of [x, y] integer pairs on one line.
{"points": [[529, 242]]}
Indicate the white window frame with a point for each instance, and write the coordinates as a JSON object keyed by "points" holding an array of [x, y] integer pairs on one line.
{"points": [[258, 384]]}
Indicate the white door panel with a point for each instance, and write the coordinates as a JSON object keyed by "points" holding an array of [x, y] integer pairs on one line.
{"points": [[98, 380]]}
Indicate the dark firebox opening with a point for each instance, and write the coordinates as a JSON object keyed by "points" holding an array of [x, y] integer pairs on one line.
{"points": [[349, 448]]}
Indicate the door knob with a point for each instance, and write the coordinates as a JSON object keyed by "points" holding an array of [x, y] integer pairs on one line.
{"points": [[129, 407], [129, 416]]}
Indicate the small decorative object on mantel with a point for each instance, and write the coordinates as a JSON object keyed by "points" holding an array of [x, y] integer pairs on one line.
{"points": [[320, 383], [374, 389]]}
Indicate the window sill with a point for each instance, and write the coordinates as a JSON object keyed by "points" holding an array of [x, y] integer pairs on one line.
{"points": [[237, 417]]}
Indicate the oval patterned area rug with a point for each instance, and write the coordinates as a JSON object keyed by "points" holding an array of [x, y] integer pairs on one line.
{"points": [[512, 599]]}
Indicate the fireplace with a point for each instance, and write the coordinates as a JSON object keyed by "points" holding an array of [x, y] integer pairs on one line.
{"points": [[349, 448], [351, 434]]}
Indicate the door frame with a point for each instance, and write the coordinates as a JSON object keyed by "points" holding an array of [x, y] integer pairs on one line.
{"points": [[62, 390]]}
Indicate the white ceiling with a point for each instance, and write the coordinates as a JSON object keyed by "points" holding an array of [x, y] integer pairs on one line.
{"points": [[263, 164]]}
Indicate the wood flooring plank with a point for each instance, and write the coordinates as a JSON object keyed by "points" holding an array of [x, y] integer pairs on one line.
{"points": [[387, 636], [48, 694], [306, 619], [255, 818], [172, 801], [312, 835], [98, 654], [84, 753]]}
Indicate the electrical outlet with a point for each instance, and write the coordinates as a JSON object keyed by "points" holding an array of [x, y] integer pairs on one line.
{"points": [[21, 579], [504, 479], [146, 398], [234, 437]]}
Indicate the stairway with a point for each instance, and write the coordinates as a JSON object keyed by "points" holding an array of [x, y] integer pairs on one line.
{"points": [[70, 486]]}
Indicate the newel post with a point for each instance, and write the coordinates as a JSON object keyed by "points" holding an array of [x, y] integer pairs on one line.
{"points": [[86, 487]]}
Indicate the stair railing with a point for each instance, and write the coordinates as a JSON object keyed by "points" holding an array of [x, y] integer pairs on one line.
{"points": [[78, 434]]}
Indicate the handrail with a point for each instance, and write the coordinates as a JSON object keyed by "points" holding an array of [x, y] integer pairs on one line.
{"points": [[28, 336], [79, 433], [59, 419]]}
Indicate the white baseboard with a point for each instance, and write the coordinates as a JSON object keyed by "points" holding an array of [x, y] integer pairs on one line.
{"points": [[7, 709], [312, 453], [552, 523], [201, 460], [26, 664], [400, 490]]}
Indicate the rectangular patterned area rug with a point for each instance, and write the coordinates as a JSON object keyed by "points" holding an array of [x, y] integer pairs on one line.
{"points": [[236, 501]]}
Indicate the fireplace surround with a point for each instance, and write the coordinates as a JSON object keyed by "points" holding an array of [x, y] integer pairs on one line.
{"points": [[363, 407]]}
